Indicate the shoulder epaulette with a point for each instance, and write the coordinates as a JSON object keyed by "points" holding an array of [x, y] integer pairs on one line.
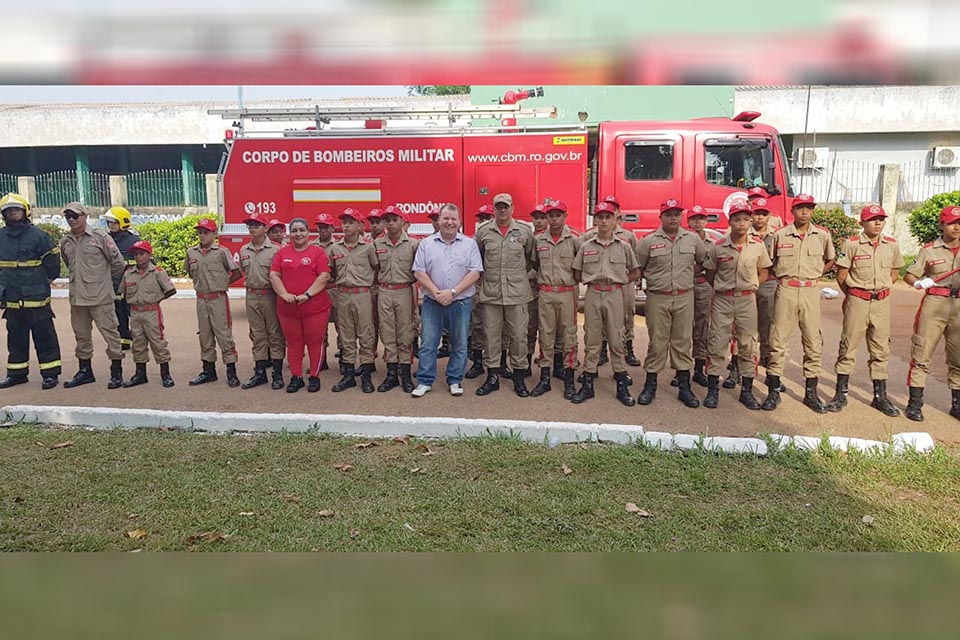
{"points": [[928, 245], [540, 233], [755, 240], [855, 238], [574, 233], [889, 238], [720, 241], [822, 228]]}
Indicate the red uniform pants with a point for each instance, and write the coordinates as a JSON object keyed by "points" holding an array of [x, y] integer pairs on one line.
{"points": [[303, 329]]}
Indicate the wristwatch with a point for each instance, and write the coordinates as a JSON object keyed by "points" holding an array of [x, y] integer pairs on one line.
{"points": [[454, 292], [307, 293]]}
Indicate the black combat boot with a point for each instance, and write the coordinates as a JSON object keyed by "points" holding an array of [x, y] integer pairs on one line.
{"points": [[915, 405], [232, 379], [519, 386], [686, 394], [675, 380], [259, 376], [406, 379], [313, 384], [713, 392], [296, 383], [839, 400], [733, 373], [140, 377], [49, 381], [955, 403], [586, 389], [277, 382], [392, 380], [747, 398], [604, 355], [780, 386], [504, 368], [810, 397], [772, 401], [346, 382], [569, 388], [12, 381], [84, 376], [629, 357], [476, 369], [700, 372], [883, 405], [544, 385], [116, 374], [165, 375], [557, 366], [649, 391], [208, 374], [492, 383], [366, 382], [623, 390]]}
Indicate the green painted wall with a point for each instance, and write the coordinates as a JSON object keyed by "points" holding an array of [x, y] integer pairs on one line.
{"points": [[622, 102]]}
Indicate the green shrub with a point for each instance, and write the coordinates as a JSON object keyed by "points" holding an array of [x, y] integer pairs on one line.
{"points": [[839, 224], [170, 241], [52, 230], [924, 220]]}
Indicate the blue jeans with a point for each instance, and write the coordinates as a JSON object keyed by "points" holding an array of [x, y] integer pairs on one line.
{"points": [[434, 318]]}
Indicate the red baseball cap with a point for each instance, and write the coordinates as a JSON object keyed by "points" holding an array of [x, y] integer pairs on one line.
{"points": [[275, 223], [739, 207], [396, 211], [434, 212], [485, 210], [538, 209], [208, 224], [803, 200], [667, 205], [375, 213], [349, 212], [325, 218], [950, 215], [612, 200], [604, 207], [872, 211], [142, 245], [697, 210], [255, 217], [757, 192], [760, 204], [557, 205]]}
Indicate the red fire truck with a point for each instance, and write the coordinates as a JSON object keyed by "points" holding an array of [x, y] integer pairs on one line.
{"points": [[444, 156]]}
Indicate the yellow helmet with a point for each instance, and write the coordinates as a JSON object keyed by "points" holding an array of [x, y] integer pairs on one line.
{"points": [[119, 215], [14, 201]]}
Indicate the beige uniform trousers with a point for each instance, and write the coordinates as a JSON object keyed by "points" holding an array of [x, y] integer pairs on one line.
{"points": [[558, 325], [478, 337], [870, 319], [398, 323], [146, 328], [355, 325], [334, 299], [669, 330], [737, 313], [796, 305], [216, 328], [702, 295], [603, 316], [629, 310], [766, 300], [533, 324], [937, 317], [265, 332], [105, 317], [505, 325]]}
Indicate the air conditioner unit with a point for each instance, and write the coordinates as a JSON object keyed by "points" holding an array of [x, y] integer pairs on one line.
{"points": [[945, 157], [812, 157]]}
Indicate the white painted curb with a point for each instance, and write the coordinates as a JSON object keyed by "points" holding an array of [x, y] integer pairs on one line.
{"points": [[390, 426]]}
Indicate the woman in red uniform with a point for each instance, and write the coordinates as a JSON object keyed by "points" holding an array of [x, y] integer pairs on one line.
{"points": [[299, 274]]}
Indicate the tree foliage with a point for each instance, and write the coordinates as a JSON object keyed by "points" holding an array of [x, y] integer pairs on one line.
{"points": [[438, 90], [170, 240], [924, 220]]}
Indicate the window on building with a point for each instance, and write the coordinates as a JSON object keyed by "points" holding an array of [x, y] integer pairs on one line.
{"points": [[648, 160], [737, 163]]}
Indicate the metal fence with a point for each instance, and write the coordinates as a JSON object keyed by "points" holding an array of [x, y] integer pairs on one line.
{"points": [[8, 183], [840, 180], [919, 181], [58, 188], [166, 188]]}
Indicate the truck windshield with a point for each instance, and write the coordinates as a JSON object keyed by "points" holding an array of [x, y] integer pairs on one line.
{"points": [[648, 160], [738, 163], [786, 168]]}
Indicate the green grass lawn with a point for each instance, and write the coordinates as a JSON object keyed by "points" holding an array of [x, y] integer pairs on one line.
{"points": [[266, 493]]}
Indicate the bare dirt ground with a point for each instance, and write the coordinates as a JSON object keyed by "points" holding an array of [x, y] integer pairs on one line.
{"points": [[665, 414]]}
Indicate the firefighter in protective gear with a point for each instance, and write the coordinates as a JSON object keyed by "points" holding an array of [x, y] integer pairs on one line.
{"points": [[118, 225], [29, 261]]}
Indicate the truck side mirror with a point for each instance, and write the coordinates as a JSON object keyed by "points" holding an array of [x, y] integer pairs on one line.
{"points": [[774, 190]]}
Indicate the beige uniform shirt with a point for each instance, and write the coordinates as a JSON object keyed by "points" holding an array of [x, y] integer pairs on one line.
{"points": [[802, 257], [669, 264], [554, 260], [935, 259], [255, 264], [870, 265], [396, 260], [624, 234], [609, 263], [355, 266], [507, 260], [146, 287], [737, 266], [210, 268], [95, 263], [768, 237]]}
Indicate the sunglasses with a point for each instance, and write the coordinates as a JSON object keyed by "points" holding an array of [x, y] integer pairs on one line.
{"points": [[71, 215]]}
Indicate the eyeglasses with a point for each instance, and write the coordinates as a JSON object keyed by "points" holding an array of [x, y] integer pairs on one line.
{"points": [[71, 215]]}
